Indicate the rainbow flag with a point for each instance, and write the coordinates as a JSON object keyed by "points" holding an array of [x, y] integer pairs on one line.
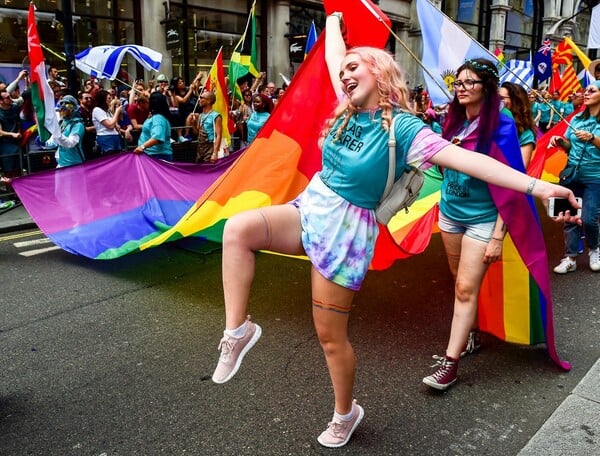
{"points": [[83, 212], [500, 56], [165, 202], [515, 301], [280, 162], [216, 84]]}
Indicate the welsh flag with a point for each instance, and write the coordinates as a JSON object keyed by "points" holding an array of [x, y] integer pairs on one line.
{"points": [[41, 93]]}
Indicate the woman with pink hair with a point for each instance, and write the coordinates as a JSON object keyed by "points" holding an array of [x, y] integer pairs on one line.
{"points": [[333, 220]]}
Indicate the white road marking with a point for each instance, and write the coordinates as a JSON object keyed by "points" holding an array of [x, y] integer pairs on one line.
{"points": [[32, 242], [39, 251]]}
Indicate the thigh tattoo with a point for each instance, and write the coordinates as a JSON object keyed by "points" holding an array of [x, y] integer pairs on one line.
{"points": [[331, 307]]}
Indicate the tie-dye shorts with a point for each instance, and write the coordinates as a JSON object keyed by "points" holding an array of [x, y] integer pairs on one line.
{"points": [[338, 237]]}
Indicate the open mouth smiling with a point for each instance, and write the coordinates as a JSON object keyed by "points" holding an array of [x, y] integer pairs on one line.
{"points": [[350, 87]]}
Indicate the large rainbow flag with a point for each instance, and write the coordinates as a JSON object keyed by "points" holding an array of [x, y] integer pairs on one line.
{"points": [[106, 208], [129, 203]]}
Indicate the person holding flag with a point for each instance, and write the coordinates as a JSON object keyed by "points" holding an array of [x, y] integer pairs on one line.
{"points": [[210, 129], [333, 220], [69, 141]]}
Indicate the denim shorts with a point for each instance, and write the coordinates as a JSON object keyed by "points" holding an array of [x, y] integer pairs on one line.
{"points": [[479, 231]]}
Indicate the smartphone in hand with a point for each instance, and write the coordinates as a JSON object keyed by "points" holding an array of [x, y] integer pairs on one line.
{"points": [[557, 205]]}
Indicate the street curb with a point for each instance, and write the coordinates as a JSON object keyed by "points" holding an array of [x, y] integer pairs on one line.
{"points": [[574, 427], [7, 228]]}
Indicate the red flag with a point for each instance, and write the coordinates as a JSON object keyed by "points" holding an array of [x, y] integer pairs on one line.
{"points": [[555, 81], [41, 93]]}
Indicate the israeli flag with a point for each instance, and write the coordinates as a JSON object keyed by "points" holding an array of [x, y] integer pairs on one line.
{"points": [[518, 72], [104, 62], [446, 46]]}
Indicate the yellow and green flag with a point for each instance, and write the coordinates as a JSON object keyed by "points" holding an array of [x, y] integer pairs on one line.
{"points": [[244, 58]]}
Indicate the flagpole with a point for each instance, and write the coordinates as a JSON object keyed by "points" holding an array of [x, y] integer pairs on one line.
{"points": [[243, 37], [407, 49]]}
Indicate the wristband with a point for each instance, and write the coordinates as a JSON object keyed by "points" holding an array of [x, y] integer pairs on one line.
{"points": [[592, 138], [530, 186], [498, 239], [142, 147]]}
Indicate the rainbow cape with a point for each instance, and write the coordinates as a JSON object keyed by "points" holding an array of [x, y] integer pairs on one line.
{"points": [[129, 203], [515, 302]]}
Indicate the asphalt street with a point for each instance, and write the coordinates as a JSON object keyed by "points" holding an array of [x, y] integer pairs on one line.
{"points": [[115, 357]]}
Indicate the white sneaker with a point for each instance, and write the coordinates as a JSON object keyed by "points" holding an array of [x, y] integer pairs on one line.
{"points": [[595, 259], [568, 264]]}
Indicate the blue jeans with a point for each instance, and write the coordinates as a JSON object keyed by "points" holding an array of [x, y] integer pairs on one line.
{"points": [[109, 144], [590, 213]]}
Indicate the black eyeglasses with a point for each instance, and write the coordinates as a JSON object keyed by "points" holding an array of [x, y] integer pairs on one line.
{"points": [[6, 97], [467, 84]]}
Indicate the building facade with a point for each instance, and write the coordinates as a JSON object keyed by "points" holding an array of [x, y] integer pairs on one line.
{"points": [[189, 33]]}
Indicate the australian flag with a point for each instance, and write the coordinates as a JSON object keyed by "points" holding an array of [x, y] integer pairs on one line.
{"points": [[542, 61]]}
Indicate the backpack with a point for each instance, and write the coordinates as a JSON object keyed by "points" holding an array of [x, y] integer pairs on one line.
{"points": [[402, 193]]}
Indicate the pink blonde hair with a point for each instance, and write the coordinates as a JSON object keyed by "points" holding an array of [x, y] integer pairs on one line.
{"points": [[393, 91]]}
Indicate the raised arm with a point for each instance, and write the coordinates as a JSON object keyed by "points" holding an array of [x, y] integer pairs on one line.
{"points": [[335, 49], [487, 169]]}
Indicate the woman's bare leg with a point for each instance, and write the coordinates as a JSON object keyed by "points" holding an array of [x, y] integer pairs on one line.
{"points": [[275, 228], [465, 257], [331, 310]]}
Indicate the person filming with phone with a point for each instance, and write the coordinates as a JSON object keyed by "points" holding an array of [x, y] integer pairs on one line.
{"points": [[582, 143]]}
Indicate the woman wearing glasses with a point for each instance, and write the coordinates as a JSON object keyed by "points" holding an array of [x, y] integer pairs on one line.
{"points": [[472, 229], [582, 143]]}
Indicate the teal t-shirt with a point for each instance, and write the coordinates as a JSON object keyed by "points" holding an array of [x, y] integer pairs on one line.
{"points": [[355, 166], [157, 127], [558, 109], [208, 124], [466, 199], [569, 108], [590, 161], [436, 127], [255, 123], [544, 108], [527, 137], [69, 156]]}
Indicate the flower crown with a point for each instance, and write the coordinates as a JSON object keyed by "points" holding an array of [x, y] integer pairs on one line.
{"points": [[483, 67]]}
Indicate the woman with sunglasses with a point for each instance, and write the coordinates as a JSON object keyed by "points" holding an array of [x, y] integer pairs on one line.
{"points": [[582, 143], [72, 130]]}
